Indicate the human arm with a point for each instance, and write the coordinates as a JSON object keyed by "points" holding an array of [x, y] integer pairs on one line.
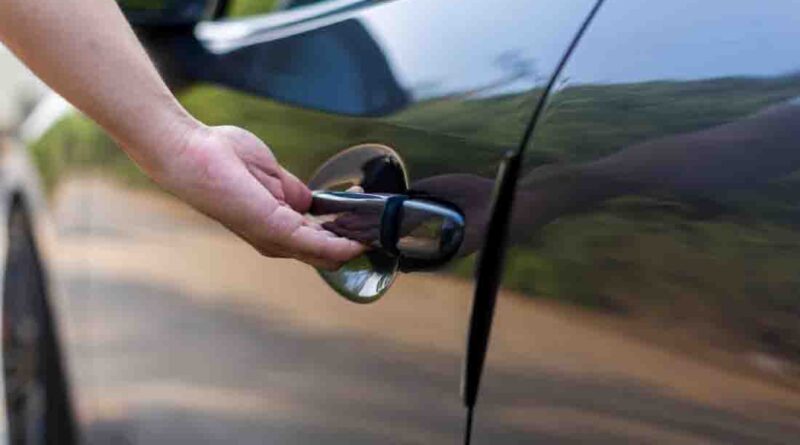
{"points": [[86, 51]]}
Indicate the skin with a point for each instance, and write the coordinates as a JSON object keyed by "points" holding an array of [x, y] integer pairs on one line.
{"points": [[86, 51]]}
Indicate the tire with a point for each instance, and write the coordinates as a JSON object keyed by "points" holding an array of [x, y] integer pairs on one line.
{"points": [[37, 402]]}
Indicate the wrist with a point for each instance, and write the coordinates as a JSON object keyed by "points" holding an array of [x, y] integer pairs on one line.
{"points": [[164, 140]]}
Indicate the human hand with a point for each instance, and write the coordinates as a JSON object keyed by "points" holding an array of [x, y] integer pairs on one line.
{"points": [[230, 175], [225, 172]]}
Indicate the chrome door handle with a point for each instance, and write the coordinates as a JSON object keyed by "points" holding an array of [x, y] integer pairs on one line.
{"points": [[421, 232], [405, 230]]}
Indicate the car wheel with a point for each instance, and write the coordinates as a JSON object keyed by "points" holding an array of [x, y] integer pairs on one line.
{"points": [[36, 402]]}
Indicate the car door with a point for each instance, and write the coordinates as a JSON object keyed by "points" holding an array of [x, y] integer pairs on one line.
{"points": [[198, 339], [650, 292]]}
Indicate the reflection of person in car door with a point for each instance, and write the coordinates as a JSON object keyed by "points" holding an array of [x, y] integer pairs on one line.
{"points": [[87, 52], [701, 167]]}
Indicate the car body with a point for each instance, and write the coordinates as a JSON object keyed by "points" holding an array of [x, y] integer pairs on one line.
{"points": [[627, 178], [37, 405]]}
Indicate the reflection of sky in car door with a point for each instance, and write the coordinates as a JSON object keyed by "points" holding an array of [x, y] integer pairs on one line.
{"points": [[693, 39], [483, 44]]}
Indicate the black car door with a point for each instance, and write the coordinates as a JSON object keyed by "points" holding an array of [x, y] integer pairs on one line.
{"points": [[650, 291]]}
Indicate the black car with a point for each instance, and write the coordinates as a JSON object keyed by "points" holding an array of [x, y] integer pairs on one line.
{"points": [[585, 213]]}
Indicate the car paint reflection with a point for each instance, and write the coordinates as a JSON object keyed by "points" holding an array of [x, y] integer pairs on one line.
{"points": [[383, 58], [659, 198]]}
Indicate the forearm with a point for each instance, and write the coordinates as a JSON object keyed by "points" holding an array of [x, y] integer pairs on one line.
{"points": [[738, 154], [86, 51]]}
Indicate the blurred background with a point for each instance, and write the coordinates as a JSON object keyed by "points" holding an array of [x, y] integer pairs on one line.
{"points": [[19, 90], [236, 357]]}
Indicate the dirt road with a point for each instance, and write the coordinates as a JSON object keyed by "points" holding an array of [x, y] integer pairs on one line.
{"points": [[180, 333]]}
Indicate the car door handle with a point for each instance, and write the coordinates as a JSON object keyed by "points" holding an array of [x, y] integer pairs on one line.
{"points": [[421, 231]]}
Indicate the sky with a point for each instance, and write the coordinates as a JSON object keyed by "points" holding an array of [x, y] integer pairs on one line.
{"points": [[464, 40], [635, 41], [629, 40]]}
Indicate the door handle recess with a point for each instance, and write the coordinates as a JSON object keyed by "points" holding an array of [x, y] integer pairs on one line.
{"points": [[421, 232]]}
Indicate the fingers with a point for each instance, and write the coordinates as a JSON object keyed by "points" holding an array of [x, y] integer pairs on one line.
{"points": [[310, 242], [284, 231], [282, 184], [312, 224], [328, 248], [272, 183], [358, 221], [321, 263], [297, 195], [273, 250], [365, 236], [294, 235], [307, 241], [261, 163]]}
